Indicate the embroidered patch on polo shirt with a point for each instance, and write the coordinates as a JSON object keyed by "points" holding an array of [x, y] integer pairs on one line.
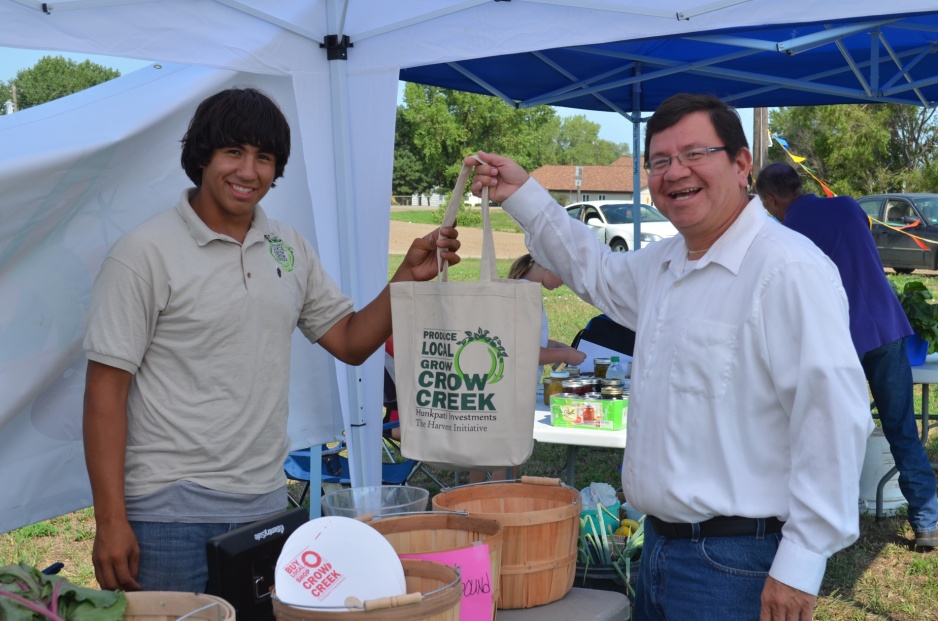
{"points": [[281, 252]]}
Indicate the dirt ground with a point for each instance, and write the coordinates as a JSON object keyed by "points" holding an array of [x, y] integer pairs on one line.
{"points": [[507, 245]]}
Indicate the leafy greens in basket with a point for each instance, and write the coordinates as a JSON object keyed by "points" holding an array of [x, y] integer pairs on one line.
{"points": [[26, 594]]}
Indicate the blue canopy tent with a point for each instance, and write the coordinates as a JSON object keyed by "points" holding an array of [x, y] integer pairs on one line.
{"points": [[78, 172], [889, 58]]}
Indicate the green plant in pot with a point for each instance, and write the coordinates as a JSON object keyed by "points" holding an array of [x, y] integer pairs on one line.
{"points": [[916, 301]]}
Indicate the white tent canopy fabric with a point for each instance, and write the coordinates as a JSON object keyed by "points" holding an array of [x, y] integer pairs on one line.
{"points": [[78, 172]]}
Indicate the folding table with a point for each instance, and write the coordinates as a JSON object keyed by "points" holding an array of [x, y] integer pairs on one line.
{"points": [[573, 438], [924, 374]]}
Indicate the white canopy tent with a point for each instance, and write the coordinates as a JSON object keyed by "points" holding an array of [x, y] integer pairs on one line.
{"points": [[78, 172]]}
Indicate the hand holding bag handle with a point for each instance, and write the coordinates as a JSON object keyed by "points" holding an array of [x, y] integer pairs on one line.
{"points": [[489, 269]]}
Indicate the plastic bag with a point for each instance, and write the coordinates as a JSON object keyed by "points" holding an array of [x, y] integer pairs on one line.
{"points": [[598, 493]]}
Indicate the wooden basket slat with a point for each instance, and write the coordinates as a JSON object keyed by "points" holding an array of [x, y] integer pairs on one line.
{"points": [[442, 533], [541, 525], [421, 576], [170, 605]]}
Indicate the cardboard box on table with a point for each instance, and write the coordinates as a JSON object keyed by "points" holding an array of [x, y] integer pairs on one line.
{"points": [[598, 414]]}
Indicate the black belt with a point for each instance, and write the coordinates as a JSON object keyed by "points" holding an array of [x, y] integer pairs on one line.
{"points": [[722, 526]]}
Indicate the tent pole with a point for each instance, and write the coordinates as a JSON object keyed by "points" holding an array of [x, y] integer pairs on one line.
{"points": [[636, 152], [345, 197]]}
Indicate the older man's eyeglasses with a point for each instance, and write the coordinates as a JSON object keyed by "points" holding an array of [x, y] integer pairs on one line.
{"points": [[689, 159]]}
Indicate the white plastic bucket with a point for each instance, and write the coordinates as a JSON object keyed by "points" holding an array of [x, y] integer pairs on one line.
{"points": [[877, 462]]}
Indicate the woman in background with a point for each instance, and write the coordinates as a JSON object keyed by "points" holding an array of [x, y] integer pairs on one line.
{"points": [[552, 352]]}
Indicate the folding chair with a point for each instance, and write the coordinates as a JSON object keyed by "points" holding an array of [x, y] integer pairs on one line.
{"points": [[335, 469], [334, 466], [603, 331]]}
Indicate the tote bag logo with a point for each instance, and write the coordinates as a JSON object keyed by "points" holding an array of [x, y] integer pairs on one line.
{"points": [[497, 355], [454, 386]]}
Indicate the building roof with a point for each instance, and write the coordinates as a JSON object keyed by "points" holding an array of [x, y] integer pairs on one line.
{"points": [[617, 177]]}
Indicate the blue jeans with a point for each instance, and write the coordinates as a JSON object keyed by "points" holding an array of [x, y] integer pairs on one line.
{"points": [[890, 376], [706, 579], [172, 555]]}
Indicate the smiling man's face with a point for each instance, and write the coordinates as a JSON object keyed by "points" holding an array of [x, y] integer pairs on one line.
{"points": [[700, 201], [233, 183]]}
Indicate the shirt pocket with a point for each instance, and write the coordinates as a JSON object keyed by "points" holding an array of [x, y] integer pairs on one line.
{"points": [[702, 363]]}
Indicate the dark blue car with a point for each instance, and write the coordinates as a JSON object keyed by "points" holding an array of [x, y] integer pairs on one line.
{"points": [[910, 241]]}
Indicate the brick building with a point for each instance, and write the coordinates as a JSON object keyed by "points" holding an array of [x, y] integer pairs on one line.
{"points": [[613, 182]]}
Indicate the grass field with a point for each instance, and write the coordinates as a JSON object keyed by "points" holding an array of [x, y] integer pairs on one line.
{"points": [[500, 220], [877, 578]]}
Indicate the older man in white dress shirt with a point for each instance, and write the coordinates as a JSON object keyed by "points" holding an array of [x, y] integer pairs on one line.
{"points": [[749, 412]]}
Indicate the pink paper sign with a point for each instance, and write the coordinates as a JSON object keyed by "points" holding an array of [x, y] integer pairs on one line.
{"points": [[475, 570]]}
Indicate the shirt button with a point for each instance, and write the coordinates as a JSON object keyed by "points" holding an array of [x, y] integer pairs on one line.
{"points": [[249, 274]]}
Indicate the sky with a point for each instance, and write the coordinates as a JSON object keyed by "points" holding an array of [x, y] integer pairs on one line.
{"points": [[613, 127], [12, 60]]}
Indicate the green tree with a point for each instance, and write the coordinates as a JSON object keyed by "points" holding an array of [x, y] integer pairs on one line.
{"points": [[410, 176], [6, 93], [578, 144], [862, 148], [437, 128], [54, 77], [445, 125]]}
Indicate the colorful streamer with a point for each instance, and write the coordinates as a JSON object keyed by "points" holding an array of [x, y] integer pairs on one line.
{"points": [[798, 159]]}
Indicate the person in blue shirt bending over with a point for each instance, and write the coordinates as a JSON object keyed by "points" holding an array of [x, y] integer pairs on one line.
{"points": [[878, 326]]}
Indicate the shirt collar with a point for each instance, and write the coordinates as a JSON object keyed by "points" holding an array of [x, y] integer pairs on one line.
{"points": [[729, 250], [260, 226]]}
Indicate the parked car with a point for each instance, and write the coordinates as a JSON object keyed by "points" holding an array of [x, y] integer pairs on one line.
{"points": [[916, 214], [613, 223]]}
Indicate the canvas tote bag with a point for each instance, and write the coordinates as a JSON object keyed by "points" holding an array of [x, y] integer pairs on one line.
{"points": [[466, 357]]}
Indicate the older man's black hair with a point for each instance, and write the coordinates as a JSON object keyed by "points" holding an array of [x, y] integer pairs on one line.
{"points": [[724, 118]]}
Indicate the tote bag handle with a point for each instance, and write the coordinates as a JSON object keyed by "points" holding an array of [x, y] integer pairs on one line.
{"points": [[489, 270]]}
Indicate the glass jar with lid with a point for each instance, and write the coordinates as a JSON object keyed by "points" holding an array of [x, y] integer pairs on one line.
{"points": [[553, 384], [576, 386], [600, 365]]}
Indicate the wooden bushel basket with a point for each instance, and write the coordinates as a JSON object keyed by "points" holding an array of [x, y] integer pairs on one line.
{"points": [[417, 534], [170, 605], [423, 578], [541, 518]]}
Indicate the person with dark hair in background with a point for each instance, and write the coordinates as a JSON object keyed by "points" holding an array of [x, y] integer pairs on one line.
{"points": [[188, 346], [748, 414], [878, 326]]}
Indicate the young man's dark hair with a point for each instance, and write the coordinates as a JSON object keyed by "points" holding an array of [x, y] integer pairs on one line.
{"points": [[724, 118], [237, 116]]}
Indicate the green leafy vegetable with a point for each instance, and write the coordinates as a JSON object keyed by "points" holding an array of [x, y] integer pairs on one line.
{"points": [[916, 301], [26, 594], [602, 548]]}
